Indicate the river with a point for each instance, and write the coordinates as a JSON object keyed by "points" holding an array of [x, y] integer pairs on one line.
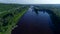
{"points": [[33, 23]]}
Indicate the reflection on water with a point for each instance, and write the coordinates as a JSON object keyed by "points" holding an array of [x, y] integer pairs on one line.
{"points": [[34, 22]]}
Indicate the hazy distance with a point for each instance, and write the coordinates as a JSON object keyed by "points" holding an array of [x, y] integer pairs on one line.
{"points": [[31, 1]]}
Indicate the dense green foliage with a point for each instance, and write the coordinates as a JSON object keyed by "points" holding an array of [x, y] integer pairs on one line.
{"points": [[9, 16]]}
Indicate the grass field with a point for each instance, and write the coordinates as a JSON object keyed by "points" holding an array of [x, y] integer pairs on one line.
{"points": [[9, 16]]}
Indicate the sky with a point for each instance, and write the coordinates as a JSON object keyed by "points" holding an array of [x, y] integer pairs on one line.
{"points": [[31, 1]]}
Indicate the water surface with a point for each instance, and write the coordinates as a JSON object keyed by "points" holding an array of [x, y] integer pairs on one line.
{"points": [[34, 23]]}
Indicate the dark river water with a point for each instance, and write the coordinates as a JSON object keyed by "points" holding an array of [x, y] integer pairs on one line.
{"points": [[33, 23]]}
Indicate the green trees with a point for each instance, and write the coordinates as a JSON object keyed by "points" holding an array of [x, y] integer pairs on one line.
{"points": [[9, 18]]}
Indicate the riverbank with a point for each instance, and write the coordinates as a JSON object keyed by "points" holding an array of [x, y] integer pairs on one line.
{"points": [[9, 18]]}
